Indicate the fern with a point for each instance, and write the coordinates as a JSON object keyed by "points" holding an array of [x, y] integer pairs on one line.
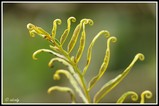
{"points": [[76, 76]]}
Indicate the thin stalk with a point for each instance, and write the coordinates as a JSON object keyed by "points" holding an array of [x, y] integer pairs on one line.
{"points": [[83, 84], [78, 71]]}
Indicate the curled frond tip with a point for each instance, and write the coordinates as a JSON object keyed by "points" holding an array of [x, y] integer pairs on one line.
{"points": [[90, 21], [30, 26], [58, 21], [73, 19], [113, 39], [104, 32], [140, 56], [146, 94], [63, 89], [56, 77], [134, 96]]}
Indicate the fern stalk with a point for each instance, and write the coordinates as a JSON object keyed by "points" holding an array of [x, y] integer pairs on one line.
{"points": [[75, 76]]}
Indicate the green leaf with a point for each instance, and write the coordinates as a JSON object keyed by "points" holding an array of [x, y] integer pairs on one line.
{"points": [[47, 51], [146, 94], [38, 30], [82, 40], [57, 41], [89, 52], [57, 21], [134, 96], [66, 32], [70, 68], [72, 81], [75, 35], [63, 61], [42, 31], [112, 83], [74, 38], [104, 64], [55, 48], [81, 47], [64, 36], [63, 89]]}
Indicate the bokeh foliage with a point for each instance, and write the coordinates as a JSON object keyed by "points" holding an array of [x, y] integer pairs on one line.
{"points": [[134, 24]]}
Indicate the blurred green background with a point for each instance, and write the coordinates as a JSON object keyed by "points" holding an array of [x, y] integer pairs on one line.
{"points": [[134, 25]]}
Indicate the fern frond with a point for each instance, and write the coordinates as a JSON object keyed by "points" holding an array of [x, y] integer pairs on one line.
{"points": [[72, 81], [63, 89], [146, 94], [74, 74], [89, 52], [104, 64], [134, 97], [47, 51], [66, 32], [82, 41], [57, 21], [112, 83]]}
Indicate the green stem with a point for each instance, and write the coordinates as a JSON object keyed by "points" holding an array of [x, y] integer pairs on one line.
{"points": [[78, 72], [83, 83]]}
